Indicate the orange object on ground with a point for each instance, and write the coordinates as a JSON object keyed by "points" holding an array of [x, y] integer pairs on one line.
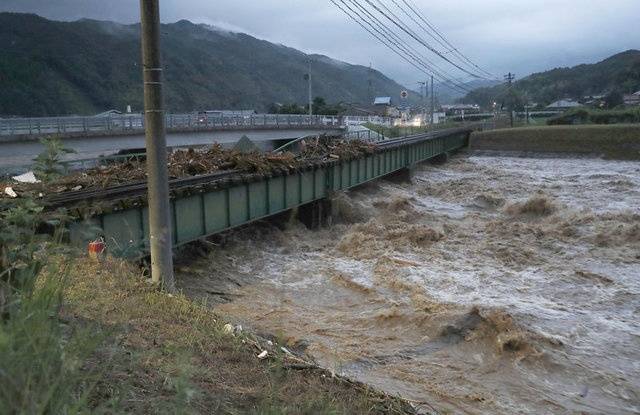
{"points": [[96, 248]]}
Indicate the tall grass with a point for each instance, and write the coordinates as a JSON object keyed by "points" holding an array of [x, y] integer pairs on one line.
{"points": [[41, 359]]}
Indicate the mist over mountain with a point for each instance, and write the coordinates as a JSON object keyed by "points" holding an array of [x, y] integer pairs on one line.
{"points": [[50, 68]]}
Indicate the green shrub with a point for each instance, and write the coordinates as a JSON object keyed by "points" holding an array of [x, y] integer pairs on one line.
{"points": [[576, 116], [49, 164]]}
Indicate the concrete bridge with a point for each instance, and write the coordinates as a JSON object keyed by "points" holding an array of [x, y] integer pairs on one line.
{"points": [[91, 137], [23, 129]]}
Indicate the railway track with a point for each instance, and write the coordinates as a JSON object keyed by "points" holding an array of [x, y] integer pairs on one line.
{"points": [[131, 190], [140, 188]]}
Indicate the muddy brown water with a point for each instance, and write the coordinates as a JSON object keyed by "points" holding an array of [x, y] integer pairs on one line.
{"points": [[488, 285]]}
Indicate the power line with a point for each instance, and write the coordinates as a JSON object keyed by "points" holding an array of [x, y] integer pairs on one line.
{"points": [[397, 41], [438, 37], [418, 39], [413, 8], [391, 40]]}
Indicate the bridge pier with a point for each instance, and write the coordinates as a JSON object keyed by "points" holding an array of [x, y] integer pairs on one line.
{"points": [[316, 214], [404, 175], [441, 158]]}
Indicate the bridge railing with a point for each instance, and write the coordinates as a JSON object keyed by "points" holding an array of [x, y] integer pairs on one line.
{"points": [[352, 120], [135, 123]]}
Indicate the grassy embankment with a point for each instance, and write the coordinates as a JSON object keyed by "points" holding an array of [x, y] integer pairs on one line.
{"points": [[597, 116], [95, 337], [620, 141]]}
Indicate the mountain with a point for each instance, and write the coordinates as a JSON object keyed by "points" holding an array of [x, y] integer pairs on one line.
{"points": [[619, 73], [52, 68], [447, 95]]}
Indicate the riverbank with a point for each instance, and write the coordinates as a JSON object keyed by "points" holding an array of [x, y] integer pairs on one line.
{"points": [[123, 346]]}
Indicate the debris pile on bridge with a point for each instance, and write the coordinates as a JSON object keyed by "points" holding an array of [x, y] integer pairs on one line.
{"points": [[189, 163], [324, 149]]}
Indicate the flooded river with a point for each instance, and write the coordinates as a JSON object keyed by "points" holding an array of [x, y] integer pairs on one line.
{"points": [[488, 285]]}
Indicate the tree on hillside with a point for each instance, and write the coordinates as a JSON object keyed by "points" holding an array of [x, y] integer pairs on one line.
{"points": [[613, 99], [320, 106]]}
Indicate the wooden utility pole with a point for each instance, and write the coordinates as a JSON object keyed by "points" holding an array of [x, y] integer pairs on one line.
{"points": [[370, 85], [156, 144], [310, 96], [509, 79], [423, 95]]}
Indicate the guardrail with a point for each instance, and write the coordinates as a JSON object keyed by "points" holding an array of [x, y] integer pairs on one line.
{"points": [[364, 135], [135, 123]]}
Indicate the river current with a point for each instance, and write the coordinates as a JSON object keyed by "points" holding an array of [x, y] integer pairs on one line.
{"points": [[488, 285]]}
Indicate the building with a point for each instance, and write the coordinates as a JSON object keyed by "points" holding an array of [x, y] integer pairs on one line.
{"points": [[383, 106], [461, 109], [382, 101], [563, 105], [632, 100]]}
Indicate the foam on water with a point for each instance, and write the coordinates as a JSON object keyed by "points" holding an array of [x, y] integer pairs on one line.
{"points": [[489, 285]]}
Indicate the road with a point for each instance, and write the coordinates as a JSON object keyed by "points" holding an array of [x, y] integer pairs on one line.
{"points": [[16, 157]]}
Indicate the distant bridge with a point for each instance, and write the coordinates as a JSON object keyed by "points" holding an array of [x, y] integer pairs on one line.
{"points": [[92, 137], [21, 129]]}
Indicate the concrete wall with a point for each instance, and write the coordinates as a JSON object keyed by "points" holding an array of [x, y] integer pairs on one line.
{"points": [[620, 141]]}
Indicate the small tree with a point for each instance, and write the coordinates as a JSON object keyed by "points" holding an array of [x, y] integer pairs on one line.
{"points": [[613, 99], [49, 165]]}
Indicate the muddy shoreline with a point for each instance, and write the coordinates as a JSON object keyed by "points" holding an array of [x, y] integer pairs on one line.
{"points": [[489, 285]]}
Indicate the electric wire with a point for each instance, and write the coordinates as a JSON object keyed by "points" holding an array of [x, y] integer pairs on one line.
{"points": [[408, 49]]}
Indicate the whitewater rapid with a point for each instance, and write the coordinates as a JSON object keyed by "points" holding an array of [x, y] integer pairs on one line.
{"points": [[487, 285]]}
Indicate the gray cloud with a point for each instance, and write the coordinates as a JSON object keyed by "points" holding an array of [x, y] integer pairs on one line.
{"points": [[500, 35]]}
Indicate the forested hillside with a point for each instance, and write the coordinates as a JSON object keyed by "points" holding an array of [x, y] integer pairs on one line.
{"points": [[84, 67], [618, 74]]}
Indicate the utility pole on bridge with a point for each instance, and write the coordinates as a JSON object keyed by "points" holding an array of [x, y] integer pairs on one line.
{"points": [[423, 95], [156, 144], [433, 102]]}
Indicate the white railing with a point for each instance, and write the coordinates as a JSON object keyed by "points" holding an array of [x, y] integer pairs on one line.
{"points": [[351, 120], [135, 123]]}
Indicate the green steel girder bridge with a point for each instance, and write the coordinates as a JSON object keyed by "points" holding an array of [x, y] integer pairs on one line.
{"points": [[202, 206]]}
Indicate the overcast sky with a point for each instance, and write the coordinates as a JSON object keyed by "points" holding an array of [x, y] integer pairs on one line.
{"points": [[500, 35]]}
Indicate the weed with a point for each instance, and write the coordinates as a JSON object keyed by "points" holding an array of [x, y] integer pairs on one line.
{"points": [[40, 358]]}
